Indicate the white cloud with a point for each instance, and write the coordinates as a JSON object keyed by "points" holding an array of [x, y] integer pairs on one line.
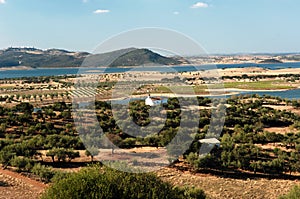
{"points": [[176, 13], [101, 11], [2, 1], [85, 1], [200, 5]]}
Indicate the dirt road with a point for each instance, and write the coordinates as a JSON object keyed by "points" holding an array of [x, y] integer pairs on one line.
{"points": [[16, 186]]}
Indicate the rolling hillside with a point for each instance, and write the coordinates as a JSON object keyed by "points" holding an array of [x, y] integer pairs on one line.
{"points": [[36, 58], [143, 57]]}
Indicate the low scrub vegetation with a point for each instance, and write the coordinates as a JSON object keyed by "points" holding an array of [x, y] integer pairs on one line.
{"points": [[293, 194], [104, 183]]}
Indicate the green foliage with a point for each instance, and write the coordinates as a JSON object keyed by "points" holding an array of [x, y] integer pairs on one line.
{"points": [[190, 193], [62, 154], [43, 58], [62, 141], [261, 85], [247, 116], [24, 108], [193, 159], [199, 162], [92, 151], [20, 149], [293, 194], [22, 163], [44, 172], [59, 175], [106, 183], [6, 156], [139, 57]]}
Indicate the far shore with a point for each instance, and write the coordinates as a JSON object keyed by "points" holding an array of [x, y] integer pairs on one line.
{"points": [[101, 67], [16, 68]]}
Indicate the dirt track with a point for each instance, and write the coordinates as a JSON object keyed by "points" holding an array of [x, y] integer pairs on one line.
{"points": [[16, 186]]}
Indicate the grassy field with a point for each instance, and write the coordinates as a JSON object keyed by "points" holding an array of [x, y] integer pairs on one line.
{"points": [[202, 89], [180, 89], [262, 85]]}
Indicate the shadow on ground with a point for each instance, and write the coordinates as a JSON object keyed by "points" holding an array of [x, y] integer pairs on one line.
{"points": [[4, 184]]}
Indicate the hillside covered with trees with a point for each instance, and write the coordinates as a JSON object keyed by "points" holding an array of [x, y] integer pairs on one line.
{"points": [[36, 58]]}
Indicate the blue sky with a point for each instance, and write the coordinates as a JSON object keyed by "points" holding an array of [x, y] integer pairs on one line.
{"points": [[220, 26]]}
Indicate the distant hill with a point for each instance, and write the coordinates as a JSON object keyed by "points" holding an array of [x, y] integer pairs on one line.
{"points": [[39, 58], [61, 58], [105, 59], [271, 61], [143, 57]]}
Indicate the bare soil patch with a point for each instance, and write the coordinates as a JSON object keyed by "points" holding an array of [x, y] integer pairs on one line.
{"points": [[16, 186], [284, 107], [217, 187], [279, 130]]}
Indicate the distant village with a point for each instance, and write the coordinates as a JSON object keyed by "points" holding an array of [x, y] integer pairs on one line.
{"points": [[245, 58]]}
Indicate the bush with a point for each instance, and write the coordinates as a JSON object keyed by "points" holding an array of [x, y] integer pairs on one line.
{"points": [[6, 156], [293, 194], [21, 163], [45, 173], [62, 154], [59, 175], [201, 162], [105, 183], [193, 159], [190, 193]]}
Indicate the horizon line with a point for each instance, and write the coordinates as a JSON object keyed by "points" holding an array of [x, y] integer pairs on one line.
{"points": [[208, 54]]}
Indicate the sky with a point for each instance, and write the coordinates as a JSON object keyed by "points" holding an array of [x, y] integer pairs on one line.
{"points": [[219, 26]]}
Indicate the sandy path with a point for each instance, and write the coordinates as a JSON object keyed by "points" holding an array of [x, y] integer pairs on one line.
{"points": [[16, 186]]}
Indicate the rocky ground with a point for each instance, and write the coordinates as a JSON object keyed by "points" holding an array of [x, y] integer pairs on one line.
{"points": [[16, 186], [217, 187]]}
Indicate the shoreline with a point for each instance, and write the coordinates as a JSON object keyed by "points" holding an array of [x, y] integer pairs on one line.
{"points": [[16, 68], [248, 90], [154, 66]]}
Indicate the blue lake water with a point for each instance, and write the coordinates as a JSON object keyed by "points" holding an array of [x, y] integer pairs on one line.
{"points": [[289, 94], [73, 71]]}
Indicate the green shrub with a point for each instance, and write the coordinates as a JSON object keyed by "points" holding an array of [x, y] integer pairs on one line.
{"points": [[190, 193], [293, 194], [193, 159], [21, 163], [6, 156], [105, 183], [42, 171], [63, 154], [59, 175], [199, 162]]}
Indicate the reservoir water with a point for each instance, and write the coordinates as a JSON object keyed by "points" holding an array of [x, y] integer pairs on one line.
{"points": [[289, 94], [73, 71]]}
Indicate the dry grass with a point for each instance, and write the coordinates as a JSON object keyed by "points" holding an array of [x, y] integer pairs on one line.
{"points": [[16, 186], [229, 188]]}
